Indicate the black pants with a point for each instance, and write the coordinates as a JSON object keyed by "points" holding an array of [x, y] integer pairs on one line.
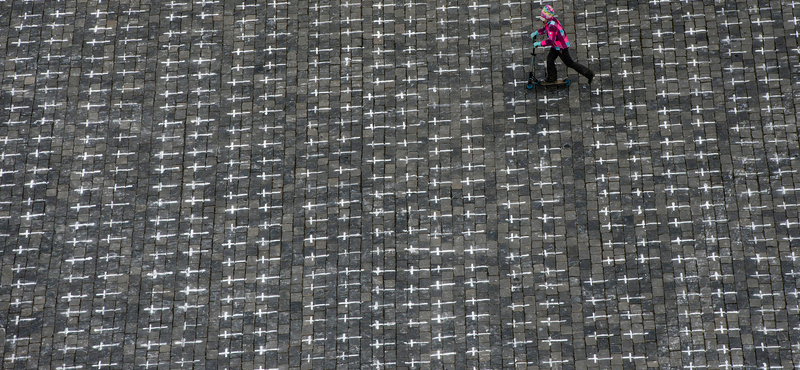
{"points": [[564, 54]]}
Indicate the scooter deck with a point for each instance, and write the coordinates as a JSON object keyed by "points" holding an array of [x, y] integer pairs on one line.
{"points": [[534, 82], [565, 81]]}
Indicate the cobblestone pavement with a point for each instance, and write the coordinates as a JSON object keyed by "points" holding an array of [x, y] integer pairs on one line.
{"points": [[330, 184]]}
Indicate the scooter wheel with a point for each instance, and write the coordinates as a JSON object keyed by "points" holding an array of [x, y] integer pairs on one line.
{"points": [[529, 85], [567, 82]]}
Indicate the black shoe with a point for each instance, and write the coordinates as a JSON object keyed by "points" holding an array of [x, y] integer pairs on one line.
{"points": [[549, 80], [590, 76]]}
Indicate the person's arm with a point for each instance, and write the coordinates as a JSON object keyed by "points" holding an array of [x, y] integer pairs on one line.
{"points": [[538, 32], [550, 30]]}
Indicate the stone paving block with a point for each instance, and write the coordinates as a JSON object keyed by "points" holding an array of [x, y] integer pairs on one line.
{"points": [[368, 184]]}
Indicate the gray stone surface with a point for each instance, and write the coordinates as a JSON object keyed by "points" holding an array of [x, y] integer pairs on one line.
{"points": [[342, 184]]}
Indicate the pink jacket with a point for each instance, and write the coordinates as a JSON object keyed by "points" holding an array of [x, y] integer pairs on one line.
{"points": [[556, 37]]}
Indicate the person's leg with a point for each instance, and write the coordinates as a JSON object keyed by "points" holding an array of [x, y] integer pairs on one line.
{"points": [[580, 68], [551, 66]]}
